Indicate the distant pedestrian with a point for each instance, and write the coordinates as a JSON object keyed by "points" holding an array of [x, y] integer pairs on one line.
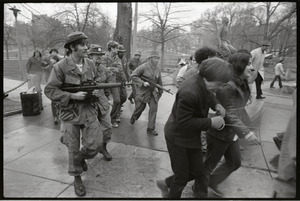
{"points": [[278, 72], [258, 58], [132, 65], [34, 70], [146, 93], [188, 118], [183, 68]]}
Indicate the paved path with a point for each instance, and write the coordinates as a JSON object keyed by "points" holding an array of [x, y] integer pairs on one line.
{"points": [[35, 162]]}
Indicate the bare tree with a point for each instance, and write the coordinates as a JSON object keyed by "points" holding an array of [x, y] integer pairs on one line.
{"points": [[164, 23], [123, 29], [8, 38]]}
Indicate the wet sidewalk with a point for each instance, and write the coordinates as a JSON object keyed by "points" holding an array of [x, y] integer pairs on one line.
{"points": [[35, 162]]}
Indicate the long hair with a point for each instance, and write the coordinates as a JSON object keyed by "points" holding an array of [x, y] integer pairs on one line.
{"points": [[37, 52], [239, 62], [74, 44]]}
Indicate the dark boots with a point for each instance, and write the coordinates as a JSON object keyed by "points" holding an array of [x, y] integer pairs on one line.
{"points": [[105, 153], [79, 187]]}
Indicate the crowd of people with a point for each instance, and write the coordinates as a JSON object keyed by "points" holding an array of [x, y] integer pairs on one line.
{"points": [[204, 82]]}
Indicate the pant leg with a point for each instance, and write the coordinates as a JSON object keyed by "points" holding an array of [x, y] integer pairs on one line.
{"points": [[116, 105], [92, 137], [71, 138], [106, 127], [132, 95], [258, 82], [279, 80], [232, 162], [54, 109], [274, 80], [152, 113], [138, 110], [214, 151], [180, 167], [123, 95]]}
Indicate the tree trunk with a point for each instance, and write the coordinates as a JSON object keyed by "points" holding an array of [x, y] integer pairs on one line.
{"points": [[162, 59], [122, 33], [6, 49]]}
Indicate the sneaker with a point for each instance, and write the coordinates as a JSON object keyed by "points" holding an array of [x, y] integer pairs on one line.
{"points": [[216, 191], [271, 87], [152, 132], [161, 184], [115, 125], [118, 120], [79, 187]]}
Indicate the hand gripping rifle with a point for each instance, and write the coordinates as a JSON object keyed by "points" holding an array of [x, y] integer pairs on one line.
{"points": [[90, 86], [146, 79]]}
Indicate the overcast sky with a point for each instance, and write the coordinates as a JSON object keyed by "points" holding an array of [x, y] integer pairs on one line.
{"points": [[196, 9]]}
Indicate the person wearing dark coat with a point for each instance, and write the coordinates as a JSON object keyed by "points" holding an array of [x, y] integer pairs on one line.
{"points": [[188, 118], [233, 96]]}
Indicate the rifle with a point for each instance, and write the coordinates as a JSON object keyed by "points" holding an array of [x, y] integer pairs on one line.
{"points": [[90, 86], [144, 78]]}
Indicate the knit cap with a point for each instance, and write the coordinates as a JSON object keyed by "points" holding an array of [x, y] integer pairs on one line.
{"points": [[216, 69]]}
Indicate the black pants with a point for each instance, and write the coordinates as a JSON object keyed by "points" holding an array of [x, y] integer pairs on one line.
{"points": [[186, 164], [217, 148], [274, 80], [258, 82]]}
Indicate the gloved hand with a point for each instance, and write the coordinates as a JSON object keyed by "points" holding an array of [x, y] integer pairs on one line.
{"points": [[217, 122], [220, 110], [251, 139]]}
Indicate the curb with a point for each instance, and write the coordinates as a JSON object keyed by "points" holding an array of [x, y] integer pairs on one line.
{"points": [[12, 113]]}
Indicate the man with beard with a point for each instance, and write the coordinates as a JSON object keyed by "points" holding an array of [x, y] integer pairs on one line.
{"points": [[147, 93]]}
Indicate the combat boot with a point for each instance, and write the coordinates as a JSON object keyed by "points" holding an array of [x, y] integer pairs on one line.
{"points": [[79, 187], [105, 153]]}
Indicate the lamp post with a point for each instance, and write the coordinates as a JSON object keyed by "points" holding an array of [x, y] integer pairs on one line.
{"points": [[15, 11]]}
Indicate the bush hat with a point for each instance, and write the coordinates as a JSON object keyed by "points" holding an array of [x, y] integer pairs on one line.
{"points": [[121, 48], [77, 35], [95, 49], [138, 53], [154, 54]]}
